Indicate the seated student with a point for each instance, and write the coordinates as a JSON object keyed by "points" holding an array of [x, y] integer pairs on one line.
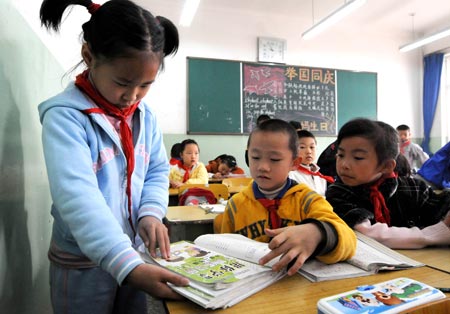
{"points": [[213, 165], [297, 125], [327, 160], [412, 151], [189, 170], [436, 170], [175, 154], [261, 118], [306, 170], [297, 223], [228, 167], [398, 211]]}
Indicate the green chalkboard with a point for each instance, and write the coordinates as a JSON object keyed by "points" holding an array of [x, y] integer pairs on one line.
{"points": [[214, 96], [357, 95], [222, 99]]}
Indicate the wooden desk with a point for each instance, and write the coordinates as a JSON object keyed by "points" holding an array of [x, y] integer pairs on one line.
{"points": [[296, 294], [438, 257], [188, 222]]}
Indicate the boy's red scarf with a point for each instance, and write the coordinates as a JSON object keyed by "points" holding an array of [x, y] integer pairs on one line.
{"points": [[305, 170], [380, 209], [105, 107], [272, 207], [403, 145]]}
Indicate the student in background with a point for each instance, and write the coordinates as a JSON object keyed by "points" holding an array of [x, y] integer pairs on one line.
{"points": [[436, 170], [306, 170], [213, 165], [261, 118], [175, 154], [412, 151], [297, 125], [189, 170], [327, 160], [228, 167], [109, 189], [398, 211], [297, 222]]}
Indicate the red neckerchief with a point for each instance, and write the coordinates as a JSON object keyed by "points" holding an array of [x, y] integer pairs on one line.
{"points": [[105, 107], [272, 207], [173, 161], [306, 170], [380, 209], [403, 145], [181, 165]]}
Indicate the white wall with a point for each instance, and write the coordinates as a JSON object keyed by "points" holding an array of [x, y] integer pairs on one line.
{"points": [[232, 35]]}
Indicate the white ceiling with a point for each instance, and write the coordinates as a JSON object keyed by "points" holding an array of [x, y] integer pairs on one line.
{"points": [[375, 16]]}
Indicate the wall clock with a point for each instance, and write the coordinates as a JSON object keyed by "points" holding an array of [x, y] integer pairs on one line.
{"points": [[271, 49]]}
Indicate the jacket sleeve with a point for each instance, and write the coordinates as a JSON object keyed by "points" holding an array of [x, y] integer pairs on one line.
{"points": [[316, 207], [155, 192], [406, 238], [340, 199]]}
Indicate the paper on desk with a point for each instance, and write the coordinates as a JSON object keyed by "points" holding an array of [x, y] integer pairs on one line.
{"points": [[213, 208]]}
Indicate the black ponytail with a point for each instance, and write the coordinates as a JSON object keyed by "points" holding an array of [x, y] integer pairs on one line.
{"points": [[117, 27]]}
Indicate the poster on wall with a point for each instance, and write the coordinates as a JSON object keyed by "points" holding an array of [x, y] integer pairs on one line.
{"points": [[304, 94]]}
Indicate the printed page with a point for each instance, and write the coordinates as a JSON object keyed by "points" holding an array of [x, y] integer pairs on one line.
{"points": [[236, 245], [315, 270], [373, 256]]}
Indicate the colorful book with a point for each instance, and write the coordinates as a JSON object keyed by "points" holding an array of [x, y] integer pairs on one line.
{"points": [[217, 280], [386, 297]]}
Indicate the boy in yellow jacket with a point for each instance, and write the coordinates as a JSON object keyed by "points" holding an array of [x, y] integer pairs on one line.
{"points": [[298, 222]]}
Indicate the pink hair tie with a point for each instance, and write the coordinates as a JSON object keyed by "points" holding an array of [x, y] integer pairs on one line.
{"points": [[93, 7]]}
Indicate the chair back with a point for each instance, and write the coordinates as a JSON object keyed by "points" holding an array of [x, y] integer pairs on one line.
{"points": [[219, 190], [229, 182]]}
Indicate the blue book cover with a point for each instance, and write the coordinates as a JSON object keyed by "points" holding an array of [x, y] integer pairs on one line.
{"points": [[386, 297]]}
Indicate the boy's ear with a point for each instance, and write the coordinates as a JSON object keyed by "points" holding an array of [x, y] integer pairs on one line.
{"points": [[389, 166]]}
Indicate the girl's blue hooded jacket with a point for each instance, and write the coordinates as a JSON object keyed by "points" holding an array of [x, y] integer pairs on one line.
{"points": [[87, 174]]}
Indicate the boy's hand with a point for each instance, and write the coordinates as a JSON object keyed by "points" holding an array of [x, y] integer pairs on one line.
{"points": [[153, 280], [154, 233], [295, 242]]}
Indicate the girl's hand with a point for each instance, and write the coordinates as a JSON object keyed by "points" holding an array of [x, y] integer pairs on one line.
{"points": [[153, 280], [217, 175], [154, 233], [292, 243], [175, 185]]}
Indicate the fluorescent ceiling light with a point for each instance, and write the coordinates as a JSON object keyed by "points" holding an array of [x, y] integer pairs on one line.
{"points": [[334, 17], [425, 40], [189, 9]]}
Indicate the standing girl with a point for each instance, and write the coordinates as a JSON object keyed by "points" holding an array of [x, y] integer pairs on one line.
{"points": [[189, 170], [106, 163]]}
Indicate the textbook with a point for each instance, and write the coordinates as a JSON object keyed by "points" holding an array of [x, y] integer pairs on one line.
{"points": [[218, 279], [370, 258], [391, 296]]}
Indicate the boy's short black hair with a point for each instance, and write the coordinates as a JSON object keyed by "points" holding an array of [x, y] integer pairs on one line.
{"points": [[403, 127], [280, 126], [297, 125], [305, 133], [383, 136], [261, 118]]}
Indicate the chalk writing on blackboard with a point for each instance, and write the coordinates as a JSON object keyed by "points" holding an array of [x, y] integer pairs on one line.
{"points": [[303, 94]]}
